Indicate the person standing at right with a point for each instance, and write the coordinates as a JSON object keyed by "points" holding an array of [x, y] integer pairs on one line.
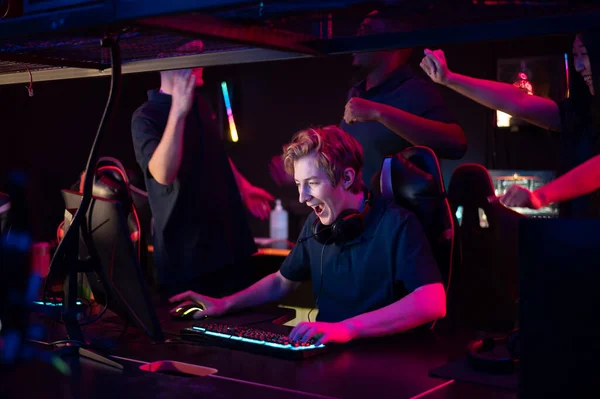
{"points": [[577, 118]]}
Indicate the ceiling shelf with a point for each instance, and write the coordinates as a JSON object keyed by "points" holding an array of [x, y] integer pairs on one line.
{"points": [[65, 44]]}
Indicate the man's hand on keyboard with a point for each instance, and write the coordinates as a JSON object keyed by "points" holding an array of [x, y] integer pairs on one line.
{"points": [[323, 332], [212, 306]]}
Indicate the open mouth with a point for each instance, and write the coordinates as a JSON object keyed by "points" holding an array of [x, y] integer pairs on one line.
{"points": [[318, 209]]}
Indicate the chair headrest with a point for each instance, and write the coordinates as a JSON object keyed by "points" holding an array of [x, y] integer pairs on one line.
{"points": [[108, 183], [470, 185], [113, 181], [411, 178]]}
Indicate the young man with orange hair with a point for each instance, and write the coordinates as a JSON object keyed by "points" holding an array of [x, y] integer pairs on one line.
{"points": [[371, 266]]}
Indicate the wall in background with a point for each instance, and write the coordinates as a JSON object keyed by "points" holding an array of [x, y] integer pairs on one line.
{"points": [[49, 135]]}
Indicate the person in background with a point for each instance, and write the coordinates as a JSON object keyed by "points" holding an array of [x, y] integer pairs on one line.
{"points": [[393, 108], [371, 266], [577, 118], [582, 180], [201, 236]]}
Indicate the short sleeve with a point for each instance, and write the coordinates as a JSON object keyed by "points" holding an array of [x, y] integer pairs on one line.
{"points": [[429, 103], [566, 110], [416, 264], [296, 266], [146, 137]]}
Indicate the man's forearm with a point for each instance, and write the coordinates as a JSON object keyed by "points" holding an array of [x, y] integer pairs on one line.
{"points": [[446, 139], [166, 160], [269, 289], [424, 305]]}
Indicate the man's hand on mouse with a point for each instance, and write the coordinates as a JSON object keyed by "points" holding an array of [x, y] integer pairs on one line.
{"points": [[212, 306]]}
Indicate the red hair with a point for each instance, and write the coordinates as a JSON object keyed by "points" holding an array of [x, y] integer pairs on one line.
{"points": [[336, 150]]}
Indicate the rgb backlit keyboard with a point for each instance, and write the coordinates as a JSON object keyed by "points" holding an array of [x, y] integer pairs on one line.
{"points": [[252, 340]]}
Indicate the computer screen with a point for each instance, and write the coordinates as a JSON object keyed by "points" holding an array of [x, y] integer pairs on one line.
{"points": [[530, 179], [128, 294]]}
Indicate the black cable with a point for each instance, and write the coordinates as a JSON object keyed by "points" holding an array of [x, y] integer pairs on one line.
{"points": [[321, 282], [89, 305], [95, 319], [67, 252], [6, 12]]}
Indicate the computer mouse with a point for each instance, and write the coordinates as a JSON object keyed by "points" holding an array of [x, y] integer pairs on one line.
{"points": [[187, 311]]}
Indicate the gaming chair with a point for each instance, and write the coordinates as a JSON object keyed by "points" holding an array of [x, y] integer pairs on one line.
{"points": [[113, 182], [414, 180], [115, 270], [485, 285]]}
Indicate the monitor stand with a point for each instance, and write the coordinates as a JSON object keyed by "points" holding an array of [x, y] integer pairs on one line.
{"points": [[66, 257]]}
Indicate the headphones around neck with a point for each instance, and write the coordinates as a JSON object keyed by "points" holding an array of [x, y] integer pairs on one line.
{"points": [[347, 226]]}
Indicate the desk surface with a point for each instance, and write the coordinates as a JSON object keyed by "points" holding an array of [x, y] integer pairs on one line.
{"points": [[259, 252], [394, 367]]}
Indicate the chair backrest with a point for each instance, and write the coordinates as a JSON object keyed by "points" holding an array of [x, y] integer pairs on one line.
{"points": [[114, 181], [485, 284], [414, 180]]}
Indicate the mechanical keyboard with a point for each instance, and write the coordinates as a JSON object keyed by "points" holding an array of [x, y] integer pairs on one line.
{"points": [[252, 340]]}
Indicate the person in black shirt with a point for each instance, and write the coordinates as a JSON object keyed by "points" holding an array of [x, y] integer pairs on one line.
{"points": [[202, 240], [394, 108], [377, 279]]}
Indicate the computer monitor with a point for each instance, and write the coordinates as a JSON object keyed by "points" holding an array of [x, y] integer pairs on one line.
{"points": [[128, 294], [530, 179]]}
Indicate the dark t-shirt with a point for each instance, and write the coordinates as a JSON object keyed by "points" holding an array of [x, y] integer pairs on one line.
{"points": [[403, 90], [200, 224], [579, 142], [389, 260]]}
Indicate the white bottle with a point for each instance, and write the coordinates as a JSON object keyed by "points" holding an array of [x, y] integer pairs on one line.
{"points": [[278, 225]]}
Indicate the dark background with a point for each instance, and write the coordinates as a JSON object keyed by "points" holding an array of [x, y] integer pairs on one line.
{"points": [[50, 134]]}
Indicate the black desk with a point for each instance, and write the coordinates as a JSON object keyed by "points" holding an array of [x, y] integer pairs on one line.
{"points": [[395, 367]]}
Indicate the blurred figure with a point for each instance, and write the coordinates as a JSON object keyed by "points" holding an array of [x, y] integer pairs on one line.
{"points": [[201, 236], [392, 108]]}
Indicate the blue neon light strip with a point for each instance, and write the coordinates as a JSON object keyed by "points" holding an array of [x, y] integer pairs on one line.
{"points": [[232, 128], [54, 304]]}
